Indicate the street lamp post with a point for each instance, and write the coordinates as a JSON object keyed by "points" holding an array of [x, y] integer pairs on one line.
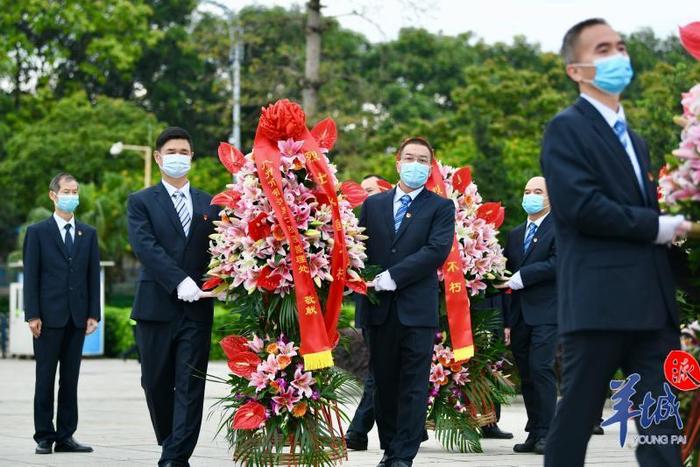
{"points": [[235, 57], [146, 155]]}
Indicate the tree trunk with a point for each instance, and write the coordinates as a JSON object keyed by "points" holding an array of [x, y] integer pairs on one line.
{"points": [[313, 58]]}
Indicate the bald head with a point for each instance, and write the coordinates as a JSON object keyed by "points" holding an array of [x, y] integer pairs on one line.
{"points": [[535, 198], [536, 185]]}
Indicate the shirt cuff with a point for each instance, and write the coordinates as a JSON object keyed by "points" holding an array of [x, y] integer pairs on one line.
{"points": [[516, 282]]}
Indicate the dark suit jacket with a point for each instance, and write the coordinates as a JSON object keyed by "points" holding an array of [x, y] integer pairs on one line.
{"points": [[412, 255], [167, 256], [537, 302], [610, 275], [58, 286]]}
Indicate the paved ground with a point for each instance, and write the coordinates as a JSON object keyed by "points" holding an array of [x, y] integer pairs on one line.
{"points": [[114, 420]]}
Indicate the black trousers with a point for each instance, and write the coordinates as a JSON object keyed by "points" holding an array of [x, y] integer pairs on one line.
{"points": [[590, 359], [65, 346], [174, 358], [534, 350], [400, 358], [363, 420]]}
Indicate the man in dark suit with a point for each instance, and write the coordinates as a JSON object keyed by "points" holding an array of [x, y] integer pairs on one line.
{"points": [[531, 318], [410, 232], [616, 303], [62, 304], [169, 228]]}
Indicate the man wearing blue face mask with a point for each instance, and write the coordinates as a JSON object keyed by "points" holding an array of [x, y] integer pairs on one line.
{"points": [[62, 304], [410, 232], [169, 227], [530, 318], [616, 295]]}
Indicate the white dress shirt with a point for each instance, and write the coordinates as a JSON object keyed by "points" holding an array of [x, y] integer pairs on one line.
{"points": [[516, 281], [62, 226], [184, 190]]}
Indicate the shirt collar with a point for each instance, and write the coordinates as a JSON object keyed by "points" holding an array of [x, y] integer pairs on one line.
{"points": [[608, 114], [62, 223], [538, 222], [399, 193], [171, 189]]}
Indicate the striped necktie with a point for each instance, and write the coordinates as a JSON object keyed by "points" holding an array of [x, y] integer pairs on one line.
{"points": [[182, 212], [531, 229], [401, 212]]}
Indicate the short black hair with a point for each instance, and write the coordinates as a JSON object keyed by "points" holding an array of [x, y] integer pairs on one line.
{"points": [[374, 176], [173, 132], [419, 140], [570, 41], [55, 184]]}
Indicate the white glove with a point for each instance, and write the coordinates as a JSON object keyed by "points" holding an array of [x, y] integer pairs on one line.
{"points": [[188, 290], [515, 282], [668, 226], [384, 282]]}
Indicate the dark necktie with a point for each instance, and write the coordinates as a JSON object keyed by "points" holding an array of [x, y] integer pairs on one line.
{"points": [[69, 239]]}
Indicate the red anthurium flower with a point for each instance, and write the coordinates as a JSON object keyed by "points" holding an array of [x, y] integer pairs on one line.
{"points": [[231, 157], [249, 416], [353, 192], [492, 213], [384, 185], [227, 199], [233, 344], [325, 133], [267, 280], [357, 286], [258, 228], [211, 283], [461, 179], [690, 38], [243, 364]]}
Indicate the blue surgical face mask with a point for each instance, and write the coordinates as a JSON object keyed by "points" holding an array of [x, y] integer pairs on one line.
{"points": [[176, 165], [532, 204], [67, 203], [613, 74], [414, 174]]}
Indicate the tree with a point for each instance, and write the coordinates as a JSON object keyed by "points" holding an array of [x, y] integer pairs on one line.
{"points": [[313, 57], [74, 136]]}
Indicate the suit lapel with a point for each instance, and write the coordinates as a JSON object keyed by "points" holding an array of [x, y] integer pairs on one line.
{"points": [[622, 159], [388, 206], [77, 238], [644, 169], [163, 198], [56, 234], [539, 233], [413, 208], [198, 209]]}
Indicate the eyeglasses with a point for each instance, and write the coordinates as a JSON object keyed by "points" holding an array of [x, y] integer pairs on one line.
{"points": [[425, 160]]}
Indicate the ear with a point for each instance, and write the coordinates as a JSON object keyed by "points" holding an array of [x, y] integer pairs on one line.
{"points": [[574, 73], [52, 196], [158, 157]]}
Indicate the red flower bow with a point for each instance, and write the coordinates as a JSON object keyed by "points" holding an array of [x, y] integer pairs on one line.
{"points": [[282, 120], [249, 416]]}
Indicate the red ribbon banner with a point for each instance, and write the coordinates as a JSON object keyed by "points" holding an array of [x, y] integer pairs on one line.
{"points": [[456, 297]]}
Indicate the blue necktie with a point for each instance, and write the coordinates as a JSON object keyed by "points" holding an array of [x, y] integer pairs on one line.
{"points": [[401, 212], [620, 128], [531, 229], [69, 239]]}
